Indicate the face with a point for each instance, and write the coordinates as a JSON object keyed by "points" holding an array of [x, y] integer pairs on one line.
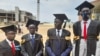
{"points": [[79, 16], [32, 28], [11, 35], [58, 23], [85, 12]]}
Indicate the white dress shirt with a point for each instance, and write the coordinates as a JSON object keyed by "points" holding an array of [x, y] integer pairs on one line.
{"points": [[83, 45], [9, 42], [32, 35], [60, 32], [82, 26]]}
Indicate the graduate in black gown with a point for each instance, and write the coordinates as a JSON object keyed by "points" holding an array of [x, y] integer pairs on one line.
{"points": [[59, 43], [85, 31], [10, 46], [32, 42]]}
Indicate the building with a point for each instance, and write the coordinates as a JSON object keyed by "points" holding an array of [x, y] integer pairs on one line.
{"points": [[15, 16], [96, 10]]}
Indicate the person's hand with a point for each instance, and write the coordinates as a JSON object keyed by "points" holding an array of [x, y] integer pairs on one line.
{"points": [[37, 55], [76, 38], [98, 37]]}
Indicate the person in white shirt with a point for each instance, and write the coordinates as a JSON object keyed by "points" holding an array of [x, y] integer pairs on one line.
{"points": [[85, 31], [32, 44], [57, 45], [10, 46]]}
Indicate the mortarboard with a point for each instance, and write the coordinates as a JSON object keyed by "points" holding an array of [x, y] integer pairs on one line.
{"points": [[61, 17], [30, 21], [84, 4], [9, 28]]}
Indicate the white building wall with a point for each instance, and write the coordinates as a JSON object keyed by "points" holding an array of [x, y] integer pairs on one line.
{"points": [[17, 14], [22, 16]]}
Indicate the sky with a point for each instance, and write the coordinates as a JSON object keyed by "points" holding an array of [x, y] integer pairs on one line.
{"points": [[47, 7]]}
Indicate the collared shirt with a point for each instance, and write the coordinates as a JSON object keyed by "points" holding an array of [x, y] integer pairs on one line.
{"points": [[60, 32], [32, 36], [82, 26], [9, 42]]}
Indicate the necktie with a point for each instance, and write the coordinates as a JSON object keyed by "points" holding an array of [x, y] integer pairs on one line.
{"points": [[13, 48], [32, 40], [58, 33], [58, 44], [85, 31]]}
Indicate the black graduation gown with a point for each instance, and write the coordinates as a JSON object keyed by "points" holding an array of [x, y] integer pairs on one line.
{"points": [[29, 48], [58, 45], [92, 33], [5, 49]]}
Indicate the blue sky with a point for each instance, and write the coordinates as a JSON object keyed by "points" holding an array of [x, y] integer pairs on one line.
{"points": [[47, 7]]}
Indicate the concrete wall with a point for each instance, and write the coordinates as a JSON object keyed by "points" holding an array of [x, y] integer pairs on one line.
{"points": [[20, 16], [17, 14]]}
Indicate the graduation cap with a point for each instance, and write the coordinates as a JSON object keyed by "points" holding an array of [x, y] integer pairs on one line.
{"points": [[9, 28], [84, 4], [61, 17], [30, 21]]}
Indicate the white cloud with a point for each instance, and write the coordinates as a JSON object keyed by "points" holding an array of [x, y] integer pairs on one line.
{"points": [[47, 7]]}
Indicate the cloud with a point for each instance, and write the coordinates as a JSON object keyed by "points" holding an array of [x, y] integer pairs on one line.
{"points": [[27, 5], [55, 5], [47, 7]]}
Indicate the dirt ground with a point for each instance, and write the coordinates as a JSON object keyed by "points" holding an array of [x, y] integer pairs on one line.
{"points": [[42, 30]]}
